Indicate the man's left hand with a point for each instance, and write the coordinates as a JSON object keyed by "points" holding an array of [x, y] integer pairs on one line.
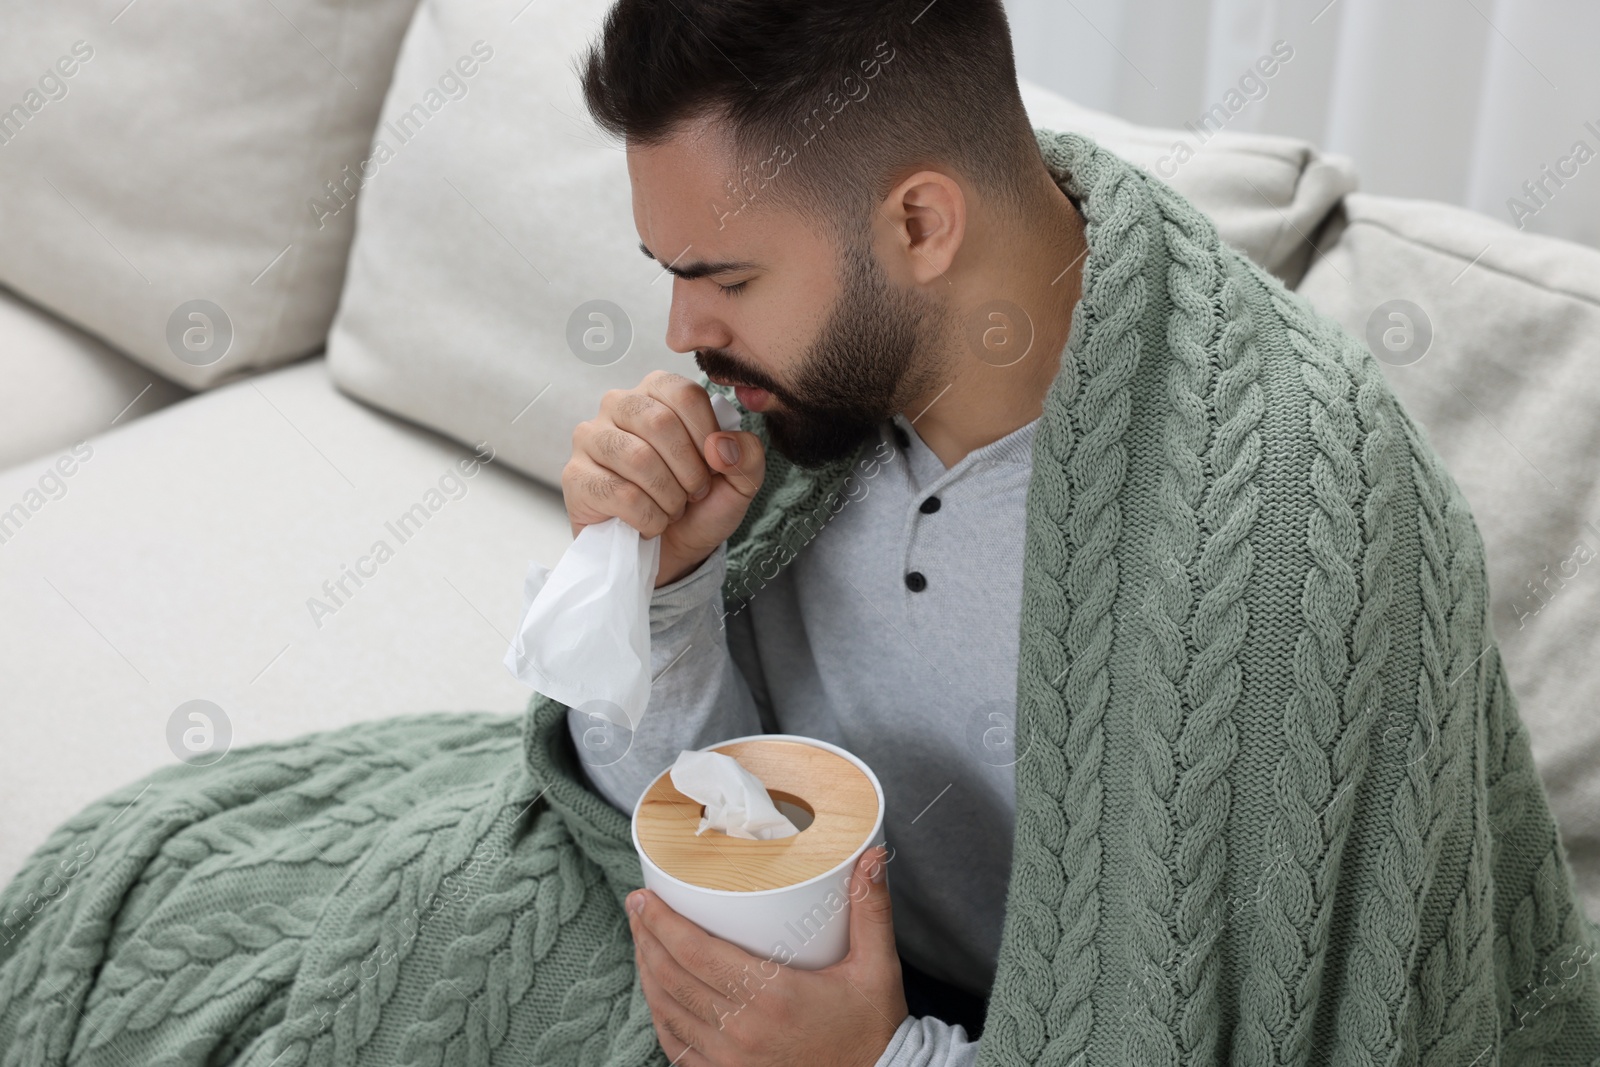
{"points": [[716, 1005]]}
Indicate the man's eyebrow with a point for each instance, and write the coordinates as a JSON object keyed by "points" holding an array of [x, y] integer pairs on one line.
{"points": [[702, 268]]}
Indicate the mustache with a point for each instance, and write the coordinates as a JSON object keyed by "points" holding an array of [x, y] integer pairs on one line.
{"points": [[718, 364]]}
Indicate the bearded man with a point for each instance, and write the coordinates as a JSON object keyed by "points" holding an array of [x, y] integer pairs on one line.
{"points": [[1162, 625]]}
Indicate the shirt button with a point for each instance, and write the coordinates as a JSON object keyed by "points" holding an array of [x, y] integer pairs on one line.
{"points": [[916, 582], [930, 505]]}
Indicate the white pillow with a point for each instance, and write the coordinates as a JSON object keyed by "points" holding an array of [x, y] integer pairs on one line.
{"points": [[478, 252], [154, 154], [1267, 194]]}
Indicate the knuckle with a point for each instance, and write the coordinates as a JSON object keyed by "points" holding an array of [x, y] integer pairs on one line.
{"points": [[629, 495], [611, 443], [603, 485], [584, 437], [647, 950], [648, 516], [683, 991], [638, 452], [660, 481], [712, 970], [658, 418], [676, 1029], [725, 979], [686, 389], [632, 404], [694, 959], [665, 487], [687, 455]]}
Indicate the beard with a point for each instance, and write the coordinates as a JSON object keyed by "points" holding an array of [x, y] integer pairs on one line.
{"points": [[858, 373]]}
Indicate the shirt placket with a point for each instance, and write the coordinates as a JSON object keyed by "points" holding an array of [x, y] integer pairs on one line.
{"points": [[924, 509]]}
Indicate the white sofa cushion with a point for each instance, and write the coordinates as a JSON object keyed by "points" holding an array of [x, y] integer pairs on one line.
{"points": [[479, 247], [1267, 194], [61, 385], [176, 562], [157, 154], [1508, 392]]}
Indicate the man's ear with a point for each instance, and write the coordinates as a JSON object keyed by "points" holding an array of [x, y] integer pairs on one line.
{"points": [[926, 215]]}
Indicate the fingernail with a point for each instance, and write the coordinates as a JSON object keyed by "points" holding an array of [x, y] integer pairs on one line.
{"points": [[875, 872], [636, 902], [729, 448], [704, 489]]}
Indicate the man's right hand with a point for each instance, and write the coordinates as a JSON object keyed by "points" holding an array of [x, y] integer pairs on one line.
{"points": [[652, 457]]}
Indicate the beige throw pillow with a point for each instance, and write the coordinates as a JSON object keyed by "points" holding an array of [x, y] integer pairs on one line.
{"points": [[162, 167]]}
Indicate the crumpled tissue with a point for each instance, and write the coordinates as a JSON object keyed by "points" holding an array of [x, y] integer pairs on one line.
{"points": [[584, 639], [736, 801]]}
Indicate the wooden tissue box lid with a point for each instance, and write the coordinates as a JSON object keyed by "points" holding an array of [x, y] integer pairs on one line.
{"points": [[839, 795]]}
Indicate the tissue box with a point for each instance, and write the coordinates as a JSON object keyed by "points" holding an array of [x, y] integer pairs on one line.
{"points": [[787, 899]]}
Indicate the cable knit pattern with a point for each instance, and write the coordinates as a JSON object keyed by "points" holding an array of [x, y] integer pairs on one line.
{"points": [[1455, 1021], [1209, 742], [1074, 527], [1386, 920], [1275, 804], [1165, 609]]}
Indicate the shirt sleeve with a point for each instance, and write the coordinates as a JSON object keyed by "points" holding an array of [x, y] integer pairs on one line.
{"points": [[924, 1041], [698, 695]]}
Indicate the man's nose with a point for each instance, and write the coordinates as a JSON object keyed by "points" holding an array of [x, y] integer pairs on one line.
{"points": [[689, 325]]}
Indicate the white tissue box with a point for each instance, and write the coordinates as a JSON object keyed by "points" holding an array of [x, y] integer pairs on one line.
{"points": [[786, 899]]}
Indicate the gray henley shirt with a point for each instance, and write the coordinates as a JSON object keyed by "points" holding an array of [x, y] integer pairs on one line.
{"points": [[893, 634]]}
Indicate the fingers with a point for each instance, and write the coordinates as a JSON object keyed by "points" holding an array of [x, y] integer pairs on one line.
{"points": [[696, 418], [654, 451], [595, 493], [632, 457], [651, 436], [675, 1027], [873, 961], [674, 415], [714, 962], [687, 1012], [871, 910], [686, 990], [738, 455]]}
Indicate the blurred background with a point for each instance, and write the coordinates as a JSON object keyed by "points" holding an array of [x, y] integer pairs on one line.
{"points": [[1454, 100]]}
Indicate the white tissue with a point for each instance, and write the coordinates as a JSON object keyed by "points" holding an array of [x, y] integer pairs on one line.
{"points": [[736, 801], [584, 639], [727, 412], [585, 635]]}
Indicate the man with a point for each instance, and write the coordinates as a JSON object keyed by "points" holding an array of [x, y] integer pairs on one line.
{"points": [[1144, 571]]}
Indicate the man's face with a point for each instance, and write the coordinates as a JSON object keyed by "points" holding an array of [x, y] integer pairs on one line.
{"points": [[837, 347]]}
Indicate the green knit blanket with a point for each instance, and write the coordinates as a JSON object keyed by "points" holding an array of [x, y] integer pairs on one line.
{"points": [[1276, 804]]}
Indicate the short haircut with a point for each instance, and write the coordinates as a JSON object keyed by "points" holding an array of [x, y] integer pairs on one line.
{"points": [[827, 104]]}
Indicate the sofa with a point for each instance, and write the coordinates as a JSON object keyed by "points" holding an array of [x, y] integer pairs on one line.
{"points": [[294, 338]]}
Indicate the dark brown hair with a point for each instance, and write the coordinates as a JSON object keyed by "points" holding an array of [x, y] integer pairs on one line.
{"points": [[827, 103]]}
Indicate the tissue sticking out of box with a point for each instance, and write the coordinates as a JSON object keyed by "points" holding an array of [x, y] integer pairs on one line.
{"points": [[736, 801]]}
